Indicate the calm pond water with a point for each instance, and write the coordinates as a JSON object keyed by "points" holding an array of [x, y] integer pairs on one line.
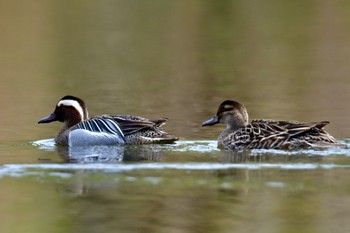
{"points": [[285, 60]]}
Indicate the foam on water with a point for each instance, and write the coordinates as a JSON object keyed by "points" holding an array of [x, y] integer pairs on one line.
{"points": [[180, 146], [45, 144], [324, 152], [205, 146]]}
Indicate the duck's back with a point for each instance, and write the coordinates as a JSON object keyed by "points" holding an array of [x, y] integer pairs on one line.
{"points": [[272, 134], [140, 130]]}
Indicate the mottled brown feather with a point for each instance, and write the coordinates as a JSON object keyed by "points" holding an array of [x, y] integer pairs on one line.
{"points": [[268, 134]]}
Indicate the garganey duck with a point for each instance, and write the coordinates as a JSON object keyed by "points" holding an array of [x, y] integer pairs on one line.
{"points": [[80, 130], [267, 134]]}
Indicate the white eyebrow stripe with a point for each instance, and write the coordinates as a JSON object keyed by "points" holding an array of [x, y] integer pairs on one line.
{"points": [[75, 104]]}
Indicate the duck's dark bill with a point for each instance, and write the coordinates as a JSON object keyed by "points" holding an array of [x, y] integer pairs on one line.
{"points": [[48, 119], [212, 121]]}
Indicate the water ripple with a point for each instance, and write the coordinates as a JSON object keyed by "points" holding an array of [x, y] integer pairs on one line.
{"points": [[64, 170], [180, 146], [204, 146]]}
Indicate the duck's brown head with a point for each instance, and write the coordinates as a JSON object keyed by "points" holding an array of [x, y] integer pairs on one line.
{"points": [[231, 113], [70, 109]]}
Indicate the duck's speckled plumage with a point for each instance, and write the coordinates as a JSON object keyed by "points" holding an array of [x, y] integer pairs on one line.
{"points": [[140, 130], [267, 134], [79, 130]]}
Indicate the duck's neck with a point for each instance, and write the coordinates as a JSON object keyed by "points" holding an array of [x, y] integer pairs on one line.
{"points": [[62, 136], [71, 120], [232, 125], [235, 123], [227, 132]]}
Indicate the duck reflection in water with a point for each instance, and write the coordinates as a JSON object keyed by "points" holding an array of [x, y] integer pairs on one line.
{"points": [[107, 154], [91, 154]]}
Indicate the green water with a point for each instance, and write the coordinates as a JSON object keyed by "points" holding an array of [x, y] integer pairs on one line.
{"points": [[284, 60]]}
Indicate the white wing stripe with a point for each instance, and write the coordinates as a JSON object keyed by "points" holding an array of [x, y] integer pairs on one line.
{"points": [[119, 132], [100, 125], [97, 126]]}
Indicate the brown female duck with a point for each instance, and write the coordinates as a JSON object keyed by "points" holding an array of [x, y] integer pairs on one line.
{"points": [[267, 134]]}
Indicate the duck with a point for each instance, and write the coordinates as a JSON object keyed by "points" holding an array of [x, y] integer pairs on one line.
{"points": [[80, 130], [265, 133]]}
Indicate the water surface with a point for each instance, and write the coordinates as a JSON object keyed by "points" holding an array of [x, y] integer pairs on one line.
{"points": [[180, 60]]}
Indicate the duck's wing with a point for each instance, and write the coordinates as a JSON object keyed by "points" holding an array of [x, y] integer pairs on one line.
{"points": [[312, 133], [131, 124], [101, 125], [258, 134], [271, 134], [96, 131], [294, 128]]}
